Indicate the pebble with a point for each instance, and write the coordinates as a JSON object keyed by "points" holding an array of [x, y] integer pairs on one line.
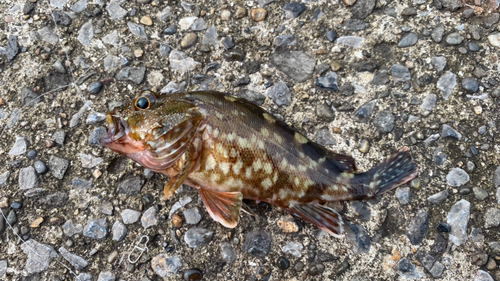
{"points": [[78, 7], [293, 9], [75, 260], [19, 147], [280, 93], [437, 270], [88, 161], [473, 47], [446, 83], [146, 20], [384, 121], [408, 40], [116, 11], [86, 33], [137, 30], [58, 166], [149, 218], [96, 135], [470, 84], [37, 222], [239, 12], [328, 82], [81, 184], [134, 74], [119, 231], [483, 276], [429, 102], [197, 237], [293, 249], [478, 110], [166, 266], [403, 195], [199, 24], [228, 43], [11, 217], [438, 197], [408, 269], [298, 65], [16, 205], [177, 220], [192, 215], [418, 227], [228, 253], [70, 229], [210, 37], [363, 114], [3, 267], [448, 131], [494, 39], [400, 73], [285, 40], [359, 238], [364, 146], [316, 269], [454, 39], [130, 216], [27, 178], [225, 14], [439, 63], [187, 22], [331, 35], [4, 177], [106, 276], [257, 243], [171, 30], [457, 177], [492, 218], [351, 41], [96, 229], [56, 199], [181, 62], [39, 256], [458, 218], [193, 274], [480, 193], [258, 14], [324, 137]]}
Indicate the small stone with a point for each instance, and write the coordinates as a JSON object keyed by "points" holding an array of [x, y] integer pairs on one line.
{"points": [[3, 268], [27, 178], [400, 73], [280, 93], [19, 147], [119, 231], [96, 229], [146, 20], [438, 197], [351, 41], [454, 39], [70, 229], [106, 276], [298, 65], [429, 102], [359, 238], [228, 253], [257, 243], [328, 82], [58, 166], [418, 227], [166, 266], [293, 9], [403, 195], [447, 83], [494, 39], [11, 217], [199, 24], [149, 218], [4, 177], [293, 249], [95, 87], [458, 218], [437, 269], [39, 256], [283, 263], [331, 35], [192, 215], [196, 237], [408, 40], [457, 177], [130, 216], [177, 220], [443, 227], [285, 40], [478, 110], [116, 12], [258, 14], [86, 33], [491, 265], [470, 84], [239, 12], [492, 218], [75, 260], [448, 131], [193, 274], [364, 113], [134, 74], [407, 269], [138, 53], [480, 193], [181, 62], [225, 14], [384, 121], [316, 269], [96, 135], [439, 63], [137, 30], [171, 30], [364, 146]]}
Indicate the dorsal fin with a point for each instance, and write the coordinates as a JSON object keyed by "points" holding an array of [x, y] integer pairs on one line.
{"points": [[344, 163]]}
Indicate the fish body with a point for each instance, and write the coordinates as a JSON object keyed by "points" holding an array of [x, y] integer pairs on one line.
{"points": [[229, 149]]}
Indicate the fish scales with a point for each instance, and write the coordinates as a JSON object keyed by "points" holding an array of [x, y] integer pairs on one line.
{"points": [[229, 149]]}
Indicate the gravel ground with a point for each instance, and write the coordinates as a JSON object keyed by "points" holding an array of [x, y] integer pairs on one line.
{"points": [[362, 77]]}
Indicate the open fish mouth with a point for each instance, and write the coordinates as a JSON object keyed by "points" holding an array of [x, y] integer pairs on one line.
{"points": [[117, 128]]}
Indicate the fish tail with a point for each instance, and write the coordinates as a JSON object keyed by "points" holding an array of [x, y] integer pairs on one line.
{"points": [[396, 170]]}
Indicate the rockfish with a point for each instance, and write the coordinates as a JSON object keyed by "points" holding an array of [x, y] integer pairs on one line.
{"points": [[229, 149]]}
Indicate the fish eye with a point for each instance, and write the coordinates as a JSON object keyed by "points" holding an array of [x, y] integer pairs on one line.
{"points": [[142, 103]]}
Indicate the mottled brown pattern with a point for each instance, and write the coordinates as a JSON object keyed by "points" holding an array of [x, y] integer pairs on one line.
{"points": [[227, 146]]}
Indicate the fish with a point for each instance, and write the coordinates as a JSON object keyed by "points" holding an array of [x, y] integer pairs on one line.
{"points": [[231, 149]]}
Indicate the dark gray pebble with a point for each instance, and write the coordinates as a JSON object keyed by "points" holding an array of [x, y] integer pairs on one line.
{"points": [[331, 35], [257, 243], [31, 154], [283, 263], [384, 121], [408, 40], [470, 84], [362, 8], [40, 167], [443, 227], [294, 9], [228, 42], [193, 274], [95, 87], [418, 227]]}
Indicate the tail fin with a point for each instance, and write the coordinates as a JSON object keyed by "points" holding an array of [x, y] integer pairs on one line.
{"points": [[394, 171]]}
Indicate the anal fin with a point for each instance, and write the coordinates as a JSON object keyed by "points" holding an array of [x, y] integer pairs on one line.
{"points": [[223, 207], [323, 217]]}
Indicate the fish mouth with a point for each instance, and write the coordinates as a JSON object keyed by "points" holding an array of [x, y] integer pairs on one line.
{"points": [[117, 128]]}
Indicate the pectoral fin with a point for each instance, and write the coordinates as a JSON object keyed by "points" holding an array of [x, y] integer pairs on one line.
{"points": [[223, 207], [175, 182], [323, 217]]}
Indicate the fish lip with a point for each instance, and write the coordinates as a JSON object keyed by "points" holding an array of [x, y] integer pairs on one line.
{"points": [[117, 128]]}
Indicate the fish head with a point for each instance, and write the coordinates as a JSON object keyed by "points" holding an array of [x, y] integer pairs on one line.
{"points": [[152, 130]]}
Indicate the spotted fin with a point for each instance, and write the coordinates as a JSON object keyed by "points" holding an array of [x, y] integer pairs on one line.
{"points": [[223, 207], [323, 217], [175, 182]]}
